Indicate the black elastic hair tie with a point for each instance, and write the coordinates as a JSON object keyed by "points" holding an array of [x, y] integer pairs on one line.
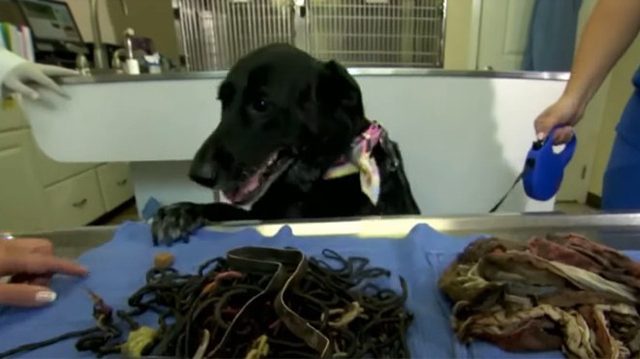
{"points": [[341, 297]]}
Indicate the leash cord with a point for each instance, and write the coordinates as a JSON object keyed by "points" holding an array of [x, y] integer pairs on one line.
{"points": [[504, 197], [45, 343]]}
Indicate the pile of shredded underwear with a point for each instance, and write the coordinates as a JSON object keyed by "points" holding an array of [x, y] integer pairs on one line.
{"points": [[559, 292], [255, 303]]}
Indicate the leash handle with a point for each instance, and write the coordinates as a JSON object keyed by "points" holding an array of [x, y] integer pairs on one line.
{"points": [[567, 152], [545, 145]]}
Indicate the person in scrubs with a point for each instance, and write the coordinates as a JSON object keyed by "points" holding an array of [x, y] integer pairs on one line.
{"points": [[612, 27], [27, 264]]}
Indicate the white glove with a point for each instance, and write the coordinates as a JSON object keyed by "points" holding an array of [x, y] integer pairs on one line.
{"points": [[25, 73]]}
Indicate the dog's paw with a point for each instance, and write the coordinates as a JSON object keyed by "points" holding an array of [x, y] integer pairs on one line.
{"points": [[176, 222]]}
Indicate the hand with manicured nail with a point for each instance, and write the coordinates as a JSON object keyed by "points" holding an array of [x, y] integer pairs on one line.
{"points": [[26, 78], [30, 262]]}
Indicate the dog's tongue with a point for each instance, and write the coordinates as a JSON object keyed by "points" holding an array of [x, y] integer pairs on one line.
{"points": [[241, 193]]}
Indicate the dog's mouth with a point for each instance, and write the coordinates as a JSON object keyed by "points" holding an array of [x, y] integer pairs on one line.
{"points": [[256, 184]]}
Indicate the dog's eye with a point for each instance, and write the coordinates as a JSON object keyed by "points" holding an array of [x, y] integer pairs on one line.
{"points": [[260, 105]]}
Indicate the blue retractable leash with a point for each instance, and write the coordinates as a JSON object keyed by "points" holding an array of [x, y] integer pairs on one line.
{"points": [[543, 169]]}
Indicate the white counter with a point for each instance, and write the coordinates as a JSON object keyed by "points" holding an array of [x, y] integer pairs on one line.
{"points": [[463, 137]]}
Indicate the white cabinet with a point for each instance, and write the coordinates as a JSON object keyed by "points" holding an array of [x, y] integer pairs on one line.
{"points": [[21, 195], [10, 115], [38, 193], [51, 172], [115, 185], [74, 202]]}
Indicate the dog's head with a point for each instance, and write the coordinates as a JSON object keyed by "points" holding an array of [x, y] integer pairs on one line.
{"points": [[282, 112]]}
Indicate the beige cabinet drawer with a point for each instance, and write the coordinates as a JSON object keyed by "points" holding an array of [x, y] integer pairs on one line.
{"points": [[75, 201], [115, 184]]}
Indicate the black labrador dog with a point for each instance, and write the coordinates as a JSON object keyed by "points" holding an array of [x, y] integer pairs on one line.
{"points": [[287, 119]]}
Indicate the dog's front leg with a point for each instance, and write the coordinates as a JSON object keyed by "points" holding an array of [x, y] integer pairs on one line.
{"points": [[177, 221]]}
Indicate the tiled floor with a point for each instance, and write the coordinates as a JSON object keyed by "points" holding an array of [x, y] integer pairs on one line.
{"points": [[130, 213], [575, 208], [127, 212]]}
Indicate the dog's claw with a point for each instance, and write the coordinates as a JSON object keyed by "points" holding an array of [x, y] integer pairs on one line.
{"points": [[176, 222]]}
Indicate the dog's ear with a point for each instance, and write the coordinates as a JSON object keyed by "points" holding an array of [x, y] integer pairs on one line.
{"points": [[340, 91], [338, 114]]}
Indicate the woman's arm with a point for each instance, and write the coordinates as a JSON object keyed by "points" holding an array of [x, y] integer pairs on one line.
{"points": [[611, 29]]}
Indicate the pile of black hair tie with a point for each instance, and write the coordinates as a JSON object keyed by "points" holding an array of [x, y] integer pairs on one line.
{"points": [[258, 303]]}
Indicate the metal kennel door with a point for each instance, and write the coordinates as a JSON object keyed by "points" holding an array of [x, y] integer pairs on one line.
{"points": [[377, 33], [215, 33], [358, 33]]}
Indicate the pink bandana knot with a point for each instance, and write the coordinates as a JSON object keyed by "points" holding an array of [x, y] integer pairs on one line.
{"points": [[359, 159]]}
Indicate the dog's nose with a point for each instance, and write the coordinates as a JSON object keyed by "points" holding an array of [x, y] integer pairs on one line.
{"points": [[203, 174]]}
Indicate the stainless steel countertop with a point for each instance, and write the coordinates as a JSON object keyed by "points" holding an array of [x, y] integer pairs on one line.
{"points": [[357, 72], [621, 231]]}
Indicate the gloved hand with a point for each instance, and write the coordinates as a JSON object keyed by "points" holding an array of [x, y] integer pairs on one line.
{"points": [[20, 77]]}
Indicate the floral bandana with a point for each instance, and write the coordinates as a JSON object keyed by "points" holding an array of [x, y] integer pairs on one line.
{"points": [[360, 160]]}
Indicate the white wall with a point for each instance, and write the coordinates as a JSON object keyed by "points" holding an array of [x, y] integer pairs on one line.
{"points": [[82, 14], [149, 18], [460, 35]]}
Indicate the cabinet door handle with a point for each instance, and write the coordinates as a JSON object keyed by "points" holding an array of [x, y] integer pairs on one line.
{"points": [[122, 182], [80, 203]]}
